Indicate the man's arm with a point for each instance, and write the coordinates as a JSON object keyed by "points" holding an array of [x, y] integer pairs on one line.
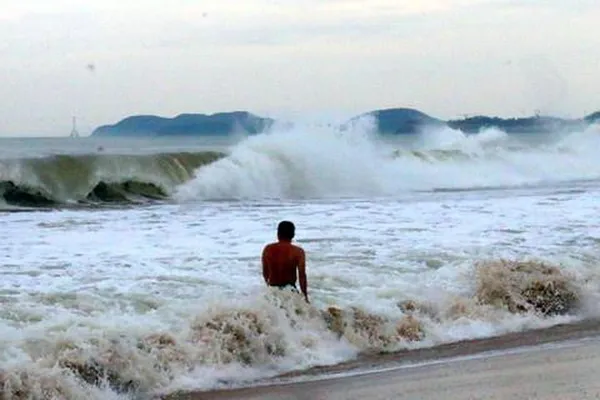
{"points": [[265, 265], [302, 272]]}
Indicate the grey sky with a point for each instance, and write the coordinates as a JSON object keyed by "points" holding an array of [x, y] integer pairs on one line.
{"points": [[104, 60]]}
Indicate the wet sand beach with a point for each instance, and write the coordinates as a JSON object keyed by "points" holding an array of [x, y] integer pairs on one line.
{"points": [[561, 362]]}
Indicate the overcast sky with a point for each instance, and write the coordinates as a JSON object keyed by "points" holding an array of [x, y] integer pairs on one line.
{"points": [[102, 60]]}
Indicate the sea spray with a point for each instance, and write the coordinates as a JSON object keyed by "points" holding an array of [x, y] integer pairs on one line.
{"points": [[328, 163], [293, 163]]}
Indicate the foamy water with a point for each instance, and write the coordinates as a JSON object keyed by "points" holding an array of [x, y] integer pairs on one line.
{"points": [[319, 163], [99, 303]]}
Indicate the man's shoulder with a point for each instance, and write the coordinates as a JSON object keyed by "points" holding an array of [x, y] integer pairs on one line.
{"points": [[269, 246], [279, 244], [298, 249]]}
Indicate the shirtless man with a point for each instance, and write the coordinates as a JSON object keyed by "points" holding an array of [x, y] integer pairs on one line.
{"points": [[281, 259]]}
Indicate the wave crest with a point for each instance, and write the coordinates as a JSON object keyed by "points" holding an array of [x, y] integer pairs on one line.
{"points": [[60, 180], [526, 286]]}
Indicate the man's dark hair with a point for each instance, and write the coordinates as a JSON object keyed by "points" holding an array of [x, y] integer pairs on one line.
{"points": [[286, 230]]}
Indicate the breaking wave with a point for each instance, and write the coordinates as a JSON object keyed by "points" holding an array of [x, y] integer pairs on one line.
{"points": [[96, 179], [324, 163], [278, 332], [306, 163]]}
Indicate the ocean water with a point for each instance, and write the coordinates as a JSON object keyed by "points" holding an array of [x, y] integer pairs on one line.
{"points": [[131, 268]]}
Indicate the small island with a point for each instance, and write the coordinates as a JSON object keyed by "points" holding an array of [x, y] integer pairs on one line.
{"points": [[187, 125], [393, 121]]}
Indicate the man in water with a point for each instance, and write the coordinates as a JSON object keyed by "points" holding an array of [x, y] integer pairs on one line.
{"points": [[281, 259]]}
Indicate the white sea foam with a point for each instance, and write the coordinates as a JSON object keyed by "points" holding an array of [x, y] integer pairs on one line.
{"points": [[324, 162]]}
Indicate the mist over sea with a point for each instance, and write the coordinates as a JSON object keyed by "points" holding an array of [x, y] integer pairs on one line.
{"points": [[131, 267]]}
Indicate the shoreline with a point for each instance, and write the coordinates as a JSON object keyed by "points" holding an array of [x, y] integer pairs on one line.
{"points": [[393, 367]]}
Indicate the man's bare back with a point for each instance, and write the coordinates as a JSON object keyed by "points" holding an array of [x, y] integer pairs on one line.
{"points": [[281, 259]]}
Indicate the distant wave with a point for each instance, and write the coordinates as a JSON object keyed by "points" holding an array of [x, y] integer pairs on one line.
{"points": [[326, 163], [306, 163], [96, 179]]}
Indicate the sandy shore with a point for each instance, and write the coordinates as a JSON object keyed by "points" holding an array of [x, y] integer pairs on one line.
{"points": [[562, 362]]}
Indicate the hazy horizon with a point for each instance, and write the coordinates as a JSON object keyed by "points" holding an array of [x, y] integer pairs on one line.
{"points": [[105, 60]]}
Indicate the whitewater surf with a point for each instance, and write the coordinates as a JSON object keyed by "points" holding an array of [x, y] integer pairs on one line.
{"points": [[324, 163]]}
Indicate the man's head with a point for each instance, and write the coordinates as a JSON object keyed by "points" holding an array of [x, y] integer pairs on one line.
{"points": [[286, 230]]}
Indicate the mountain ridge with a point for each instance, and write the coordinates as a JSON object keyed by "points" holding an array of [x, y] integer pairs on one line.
{"points": [[394, 121]]}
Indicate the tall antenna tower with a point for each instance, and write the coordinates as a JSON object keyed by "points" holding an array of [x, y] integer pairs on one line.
{"points": [[74, 131]]}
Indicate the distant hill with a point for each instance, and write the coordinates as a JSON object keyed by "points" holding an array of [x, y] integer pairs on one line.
{"points": [[593, 118], [537, 124], [393, 121], [401, 120], [186, 125]]}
